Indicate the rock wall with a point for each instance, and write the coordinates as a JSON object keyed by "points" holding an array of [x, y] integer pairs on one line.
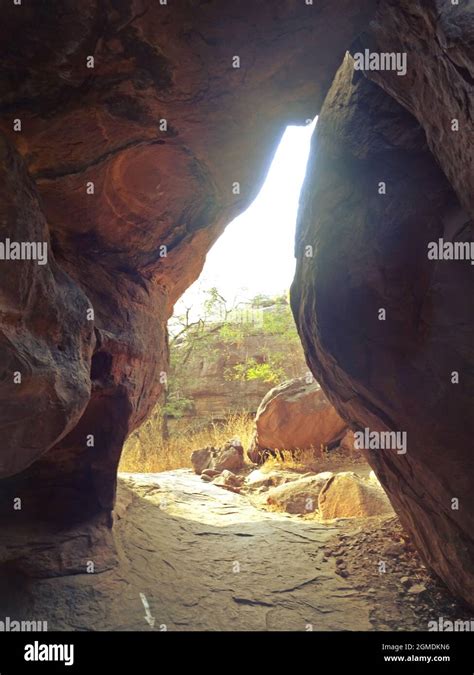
{"points": [[370, 253], [126, 126], [128, 170], [209, 379]]}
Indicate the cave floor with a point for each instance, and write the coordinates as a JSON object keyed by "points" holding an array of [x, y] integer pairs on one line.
{"points": [[193, 556]]}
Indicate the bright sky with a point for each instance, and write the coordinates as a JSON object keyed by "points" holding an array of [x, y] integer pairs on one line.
{"points": [[255, 253]]}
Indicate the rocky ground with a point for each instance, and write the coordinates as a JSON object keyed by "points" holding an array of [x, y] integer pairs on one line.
{"points": [[378, 558], [195, 556]]}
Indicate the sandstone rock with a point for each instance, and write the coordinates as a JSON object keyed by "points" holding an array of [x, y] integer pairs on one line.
{"points": [[228, 479], [346, 495], [369, 249], [373, 478], [299, 496], [100, 376], [417, 589], [296, 415], [394, 550], [212, 473], [213, 395], [258, 479], [231, 457], [45, 338], [370, 252], [201, 459]]}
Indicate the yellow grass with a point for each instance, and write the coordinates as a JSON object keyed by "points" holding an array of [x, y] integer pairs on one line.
{"points": [[313, 461], [146, 452]]}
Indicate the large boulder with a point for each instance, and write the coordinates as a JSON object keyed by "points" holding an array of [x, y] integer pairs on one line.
{"points": [[296, 415], [298, 496], [387, 331], [347, 495]]}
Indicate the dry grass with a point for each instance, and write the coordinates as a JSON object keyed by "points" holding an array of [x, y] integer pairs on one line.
{"points": [[146, 452], [313, 461]]}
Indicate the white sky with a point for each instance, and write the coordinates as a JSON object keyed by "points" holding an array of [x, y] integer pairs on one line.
{"points": [[255, 253]]}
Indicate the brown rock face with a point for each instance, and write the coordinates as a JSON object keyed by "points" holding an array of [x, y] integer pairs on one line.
{"points": [[130, 126], [46, 340], [212, 391], [230, 457], [347, 495], [384, 328], [297, 416], [298, 496], [127, 129]]}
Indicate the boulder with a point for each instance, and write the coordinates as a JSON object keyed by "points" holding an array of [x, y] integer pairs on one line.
{"points": [[347, 495], [227, 479], [230, 457], [295, 415], [201, 459], [387, 330], [299, 496], [212, 473], [215, 460], [259, 479]]}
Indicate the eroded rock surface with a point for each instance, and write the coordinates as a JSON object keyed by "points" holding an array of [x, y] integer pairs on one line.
{"points": [[206, 559], [132, 126], [370, 254], [127, 170]]}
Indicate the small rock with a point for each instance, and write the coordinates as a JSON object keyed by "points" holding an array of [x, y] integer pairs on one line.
{"points": [[416, 589], [201, 459], [230, 456], [228, 479], [210, 472], [395, 550]]}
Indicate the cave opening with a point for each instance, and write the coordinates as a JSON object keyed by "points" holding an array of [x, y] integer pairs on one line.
{"points": [[238, 382], [232, 336]]}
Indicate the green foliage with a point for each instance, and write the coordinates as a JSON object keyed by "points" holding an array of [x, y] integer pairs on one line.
{"points": [[219, 331], [270, 371], [177, 406]]}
